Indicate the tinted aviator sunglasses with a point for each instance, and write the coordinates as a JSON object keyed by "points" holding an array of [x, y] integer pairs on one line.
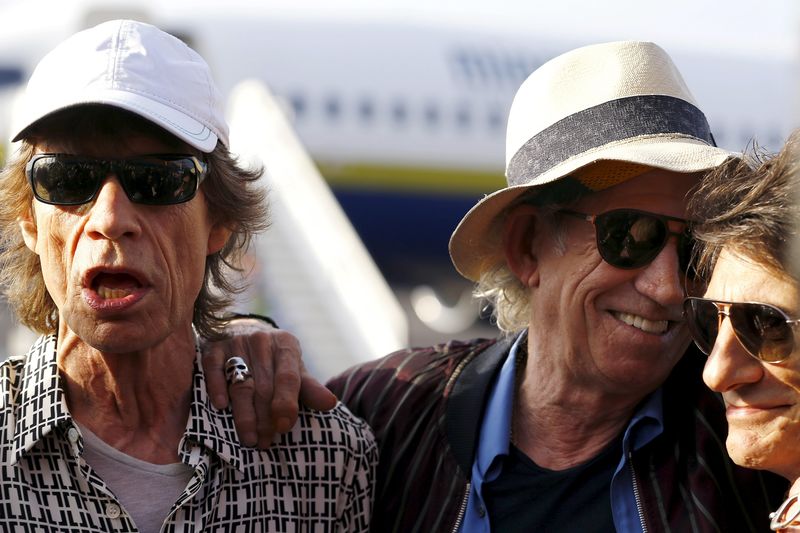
{"points": [[765, 331], [629, 238], [160, 179]]}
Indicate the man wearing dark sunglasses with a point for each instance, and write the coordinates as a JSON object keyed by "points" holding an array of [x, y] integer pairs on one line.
{"points": [[586, 416], [121, 212], [747, 320]]}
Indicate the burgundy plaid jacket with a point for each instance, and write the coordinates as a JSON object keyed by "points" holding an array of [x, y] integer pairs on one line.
{"points": [[425, 407]]}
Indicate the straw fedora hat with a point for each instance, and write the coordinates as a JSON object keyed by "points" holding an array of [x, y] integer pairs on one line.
{"points": [[582, 122]]}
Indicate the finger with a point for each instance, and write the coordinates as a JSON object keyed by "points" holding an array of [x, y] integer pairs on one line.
{"points": [[214, 355], [262, 357], [244, 413], [314, 394], [288, 366]]}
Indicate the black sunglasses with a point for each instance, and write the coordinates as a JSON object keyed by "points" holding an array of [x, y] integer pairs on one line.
{"points": [[629, 238], [160, 179], [764, 330]]}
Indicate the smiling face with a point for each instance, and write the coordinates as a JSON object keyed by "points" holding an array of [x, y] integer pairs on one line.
{"points": [[610, 329], [123, 276], [762, 400]]}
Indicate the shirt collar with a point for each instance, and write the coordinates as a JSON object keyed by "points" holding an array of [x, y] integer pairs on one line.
{"points": [[42, 408], [209, 427], [41, 404], [647, 422], [495, 431]]}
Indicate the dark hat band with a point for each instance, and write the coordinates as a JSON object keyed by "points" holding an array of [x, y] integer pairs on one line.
{"points": [[596, 126]]}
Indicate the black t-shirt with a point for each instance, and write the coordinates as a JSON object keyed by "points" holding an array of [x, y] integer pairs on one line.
{"points": [[526, 497]]}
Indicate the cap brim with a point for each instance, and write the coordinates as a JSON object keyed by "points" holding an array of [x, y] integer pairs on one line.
{"points": [[476, 243], [179, 124]]}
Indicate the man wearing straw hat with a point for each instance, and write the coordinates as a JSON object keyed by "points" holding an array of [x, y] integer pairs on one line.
{"points": [[586, 416], [589, 414]]}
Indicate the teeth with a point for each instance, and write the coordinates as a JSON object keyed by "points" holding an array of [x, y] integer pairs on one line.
{"points": [[107, 293], [650, 326]]}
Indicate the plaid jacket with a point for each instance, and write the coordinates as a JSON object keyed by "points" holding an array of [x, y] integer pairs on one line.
{"points": [[425, 407], [319, 477]]}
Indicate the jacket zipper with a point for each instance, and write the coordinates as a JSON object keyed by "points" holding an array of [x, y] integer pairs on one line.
{"points": [[462, 509], [636, 493]]}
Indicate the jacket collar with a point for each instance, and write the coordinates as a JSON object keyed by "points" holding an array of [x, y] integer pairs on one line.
{"points": [[467, 398]]}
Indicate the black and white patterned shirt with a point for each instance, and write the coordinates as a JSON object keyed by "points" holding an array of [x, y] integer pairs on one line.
{"points": [[318, 478]]}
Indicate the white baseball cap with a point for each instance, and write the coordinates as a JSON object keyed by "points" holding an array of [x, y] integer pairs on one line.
{"points": [[133, 66]]}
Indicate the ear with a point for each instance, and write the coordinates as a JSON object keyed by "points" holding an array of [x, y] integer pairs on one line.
{"points": [[30, 233], [519, 234], [217, 238]]}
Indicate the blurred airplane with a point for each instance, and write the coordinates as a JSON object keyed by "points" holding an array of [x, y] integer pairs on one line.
{"points": [[406, 122]]}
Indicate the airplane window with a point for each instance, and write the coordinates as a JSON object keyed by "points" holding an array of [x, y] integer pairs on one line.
{"points": [[366, 110], [495, 119], [431, 114], [399, 112], [333, 108], [463, 117], [10, 76], [298, 103], [489, 67]]}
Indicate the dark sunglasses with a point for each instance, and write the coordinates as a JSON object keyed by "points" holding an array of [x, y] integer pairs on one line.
{"points": [[629, 238], [161, 179], [764, 330]]}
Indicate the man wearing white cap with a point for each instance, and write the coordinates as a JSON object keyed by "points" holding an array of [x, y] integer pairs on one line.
{"points": [[120, 211], [587, 416]]}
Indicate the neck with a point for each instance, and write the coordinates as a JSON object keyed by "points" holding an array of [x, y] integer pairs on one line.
{"points": [[559, 423], [136, 402]]}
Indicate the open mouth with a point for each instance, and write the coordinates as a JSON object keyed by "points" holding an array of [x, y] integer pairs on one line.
{"points": [[639, 322], [114, 285]]}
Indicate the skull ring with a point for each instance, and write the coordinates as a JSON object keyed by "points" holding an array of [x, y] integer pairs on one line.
{"points": [[236, 370]]}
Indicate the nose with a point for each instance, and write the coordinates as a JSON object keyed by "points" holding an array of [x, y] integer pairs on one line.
{"points": [[729, 366], [662, 279], [111, 214]]}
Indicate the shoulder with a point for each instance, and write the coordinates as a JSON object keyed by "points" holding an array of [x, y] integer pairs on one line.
{"points": [[336, 434], [420, 368], [337, 427], [335, 440], [405, 392]]}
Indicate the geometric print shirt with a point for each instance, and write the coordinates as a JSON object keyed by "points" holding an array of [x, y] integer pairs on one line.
{"points": [[319, 477]]}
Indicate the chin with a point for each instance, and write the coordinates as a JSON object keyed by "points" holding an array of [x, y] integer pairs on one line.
{"points": [[116, 346], [750, 450], [119, 338]]}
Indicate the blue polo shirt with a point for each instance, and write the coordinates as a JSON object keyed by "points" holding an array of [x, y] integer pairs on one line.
{"points": [[494, 441]]}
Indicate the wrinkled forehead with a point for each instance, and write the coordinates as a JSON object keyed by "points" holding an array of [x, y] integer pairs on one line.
{"points": [[657, 191]]}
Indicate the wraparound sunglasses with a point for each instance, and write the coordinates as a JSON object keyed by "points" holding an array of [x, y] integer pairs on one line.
{"points": [[159, 179], [765, 331], [629, 238]]}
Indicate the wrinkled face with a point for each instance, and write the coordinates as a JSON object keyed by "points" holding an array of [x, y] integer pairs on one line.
{"points": [[124, 276], [762, 400], [617, 330]]}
